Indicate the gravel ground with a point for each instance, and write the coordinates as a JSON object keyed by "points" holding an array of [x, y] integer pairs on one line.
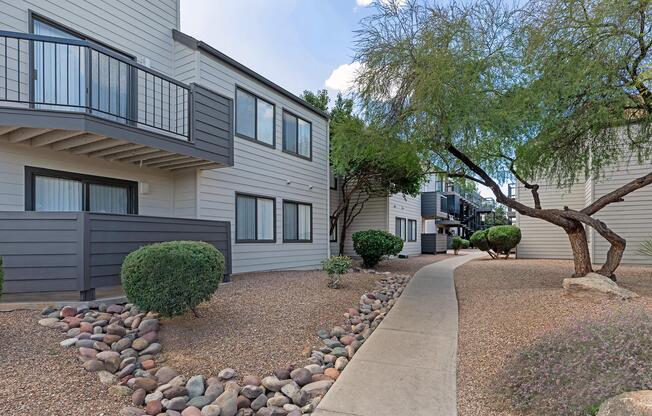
{"points": [[505, 305], [263, 321], [39, 378]]}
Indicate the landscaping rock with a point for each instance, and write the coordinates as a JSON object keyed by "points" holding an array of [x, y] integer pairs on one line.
{"points": [[118, 390], [200, 401], [165, 374], [214, 390], [228, 403], [318, 388], [191, 411], [251, 391], [242, 402], [272, 383], [93, 365], [154, 407], [195, 386], [226, 374], [595, 286], [147, 384], [132, 411], [138, 398], [633, 403], [301, 376], [178, 403], [211, 410], [259, 402]]}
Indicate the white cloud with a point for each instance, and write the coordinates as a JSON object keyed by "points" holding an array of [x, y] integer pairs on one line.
{"points": [[367, 3], [343, 77]]}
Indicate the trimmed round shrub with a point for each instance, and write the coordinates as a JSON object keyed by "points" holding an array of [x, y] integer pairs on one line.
{"points": [[172, 277], [466, 243], [375, 245], [572, 370], [479, 240], [503, 238], [456, 243]]}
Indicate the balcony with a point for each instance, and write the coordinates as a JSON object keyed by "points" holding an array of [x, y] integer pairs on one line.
{"points": [[83, 251], [434, 205], [83, 98]]}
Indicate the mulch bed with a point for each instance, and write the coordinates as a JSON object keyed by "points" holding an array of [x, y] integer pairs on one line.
{"points": [[505, 305], [263, 321]]}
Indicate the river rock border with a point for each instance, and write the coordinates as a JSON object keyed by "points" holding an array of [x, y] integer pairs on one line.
{"points": [[119, 343]]}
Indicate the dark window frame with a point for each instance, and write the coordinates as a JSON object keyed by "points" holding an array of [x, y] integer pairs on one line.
{"points": [[256, 240], [298, 117], [330, 236], [332, 187], [30, 187], [286, 240], [235, 115], [409, 230], [399, 229]]}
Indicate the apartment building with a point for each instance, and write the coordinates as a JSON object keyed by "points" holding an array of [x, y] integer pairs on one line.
{"points": [[631, 218], [118, 130], [426, 222]]}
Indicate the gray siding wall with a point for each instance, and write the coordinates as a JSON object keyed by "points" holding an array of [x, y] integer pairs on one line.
{"points": [[142, 28], [260, 170], [41, 251], [408, 207], [212, 123], [113, 237]]}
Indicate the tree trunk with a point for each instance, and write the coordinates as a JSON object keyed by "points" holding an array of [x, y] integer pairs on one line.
{"points": [[342, 237], [580, 246], [614, 255]]}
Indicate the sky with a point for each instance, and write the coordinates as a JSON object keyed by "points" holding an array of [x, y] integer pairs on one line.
{"points": [[298, 44]]}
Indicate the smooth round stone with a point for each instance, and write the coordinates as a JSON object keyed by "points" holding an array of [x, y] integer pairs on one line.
{"points": [[251, 391], [48, 322], [301, 376], [114, 309], [139, 344], [332, 373], [323, 334], [200, 401], [282, 373], [251, 381], [157, 395], [67, 311], [259, 402], [121, 345], [178, 403], [115, 329], [152, 349], [195, 386], [341, 363], [67, 343], [93, 365], [165, 374], [118, 390], [242, 402], [148, 364], [154, 407], [226, 374], [211, 410], [148, 325], [128, 369], [87, 352], [314, 369], [106, 377], [278, 400], [214, 390], [145, 383], [339, 352], [191, 411], [175, 391]]}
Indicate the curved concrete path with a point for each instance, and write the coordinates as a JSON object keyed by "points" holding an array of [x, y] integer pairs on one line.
{"points": [[408, 365]]}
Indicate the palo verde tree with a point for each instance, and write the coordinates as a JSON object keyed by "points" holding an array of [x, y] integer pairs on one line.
{"points": [[368, 162], [558, 89]]}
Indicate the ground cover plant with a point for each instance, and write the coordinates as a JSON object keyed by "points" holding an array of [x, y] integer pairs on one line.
{"points": [[172, 278], [375, 245], [573, 370]]}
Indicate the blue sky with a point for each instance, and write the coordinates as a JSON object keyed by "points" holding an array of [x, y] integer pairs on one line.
{"points": [[296, 43]]}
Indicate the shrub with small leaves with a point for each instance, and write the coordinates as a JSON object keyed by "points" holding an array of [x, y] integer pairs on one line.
{"points": [[335, 267], [375, 245], [504, 238], [573, 370], [457, 243], [465, 243], [172, 277], [479, 241]]}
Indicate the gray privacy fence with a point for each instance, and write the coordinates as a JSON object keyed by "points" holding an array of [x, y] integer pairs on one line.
{"points": [[82, 251]]}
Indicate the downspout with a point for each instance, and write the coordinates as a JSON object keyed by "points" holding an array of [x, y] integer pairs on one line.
{"points": [[328, 187]]}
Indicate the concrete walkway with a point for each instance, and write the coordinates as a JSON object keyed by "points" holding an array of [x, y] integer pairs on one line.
{"points": [[408, 365]]}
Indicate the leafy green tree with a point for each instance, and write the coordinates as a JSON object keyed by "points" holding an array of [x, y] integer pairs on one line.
{"points": [[369, 162], [497, 217], [558, 89]]}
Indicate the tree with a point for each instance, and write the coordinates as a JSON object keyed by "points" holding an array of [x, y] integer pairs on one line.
{"points": [[559, 89], [369, 162], [497, 217]]}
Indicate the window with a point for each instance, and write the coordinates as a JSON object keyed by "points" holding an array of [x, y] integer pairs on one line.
{"points": [[333, 181], [333, 230], [412, 230], [297, 222], [297, 135], [255, 219], [401, 228], [254, 118], [55, 191]]}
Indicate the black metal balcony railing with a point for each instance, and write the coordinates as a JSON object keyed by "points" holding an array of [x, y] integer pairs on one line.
{"points": [[52, 73]]}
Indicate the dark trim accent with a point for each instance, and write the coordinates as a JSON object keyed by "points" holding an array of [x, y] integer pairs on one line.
{"points": [[289, 201], [30, 186], [397, 229], [271, 198], [66, 120], [332, 187], [409, 228], [235, 123], [298, 117], [193, 43], [335, 229]]}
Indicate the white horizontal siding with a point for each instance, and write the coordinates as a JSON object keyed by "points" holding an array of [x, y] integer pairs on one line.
{"points": [[408, 207], [261, 170], [142, 28], [13, 159], [540, 238], [631, 219]]}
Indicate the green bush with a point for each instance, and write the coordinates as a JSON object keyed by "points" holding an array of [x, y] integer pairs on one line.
{"points": [[457, 243], [336, 266], [375, 245], [465, 243], [503, 238], [173, 277], [479, 241]]}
